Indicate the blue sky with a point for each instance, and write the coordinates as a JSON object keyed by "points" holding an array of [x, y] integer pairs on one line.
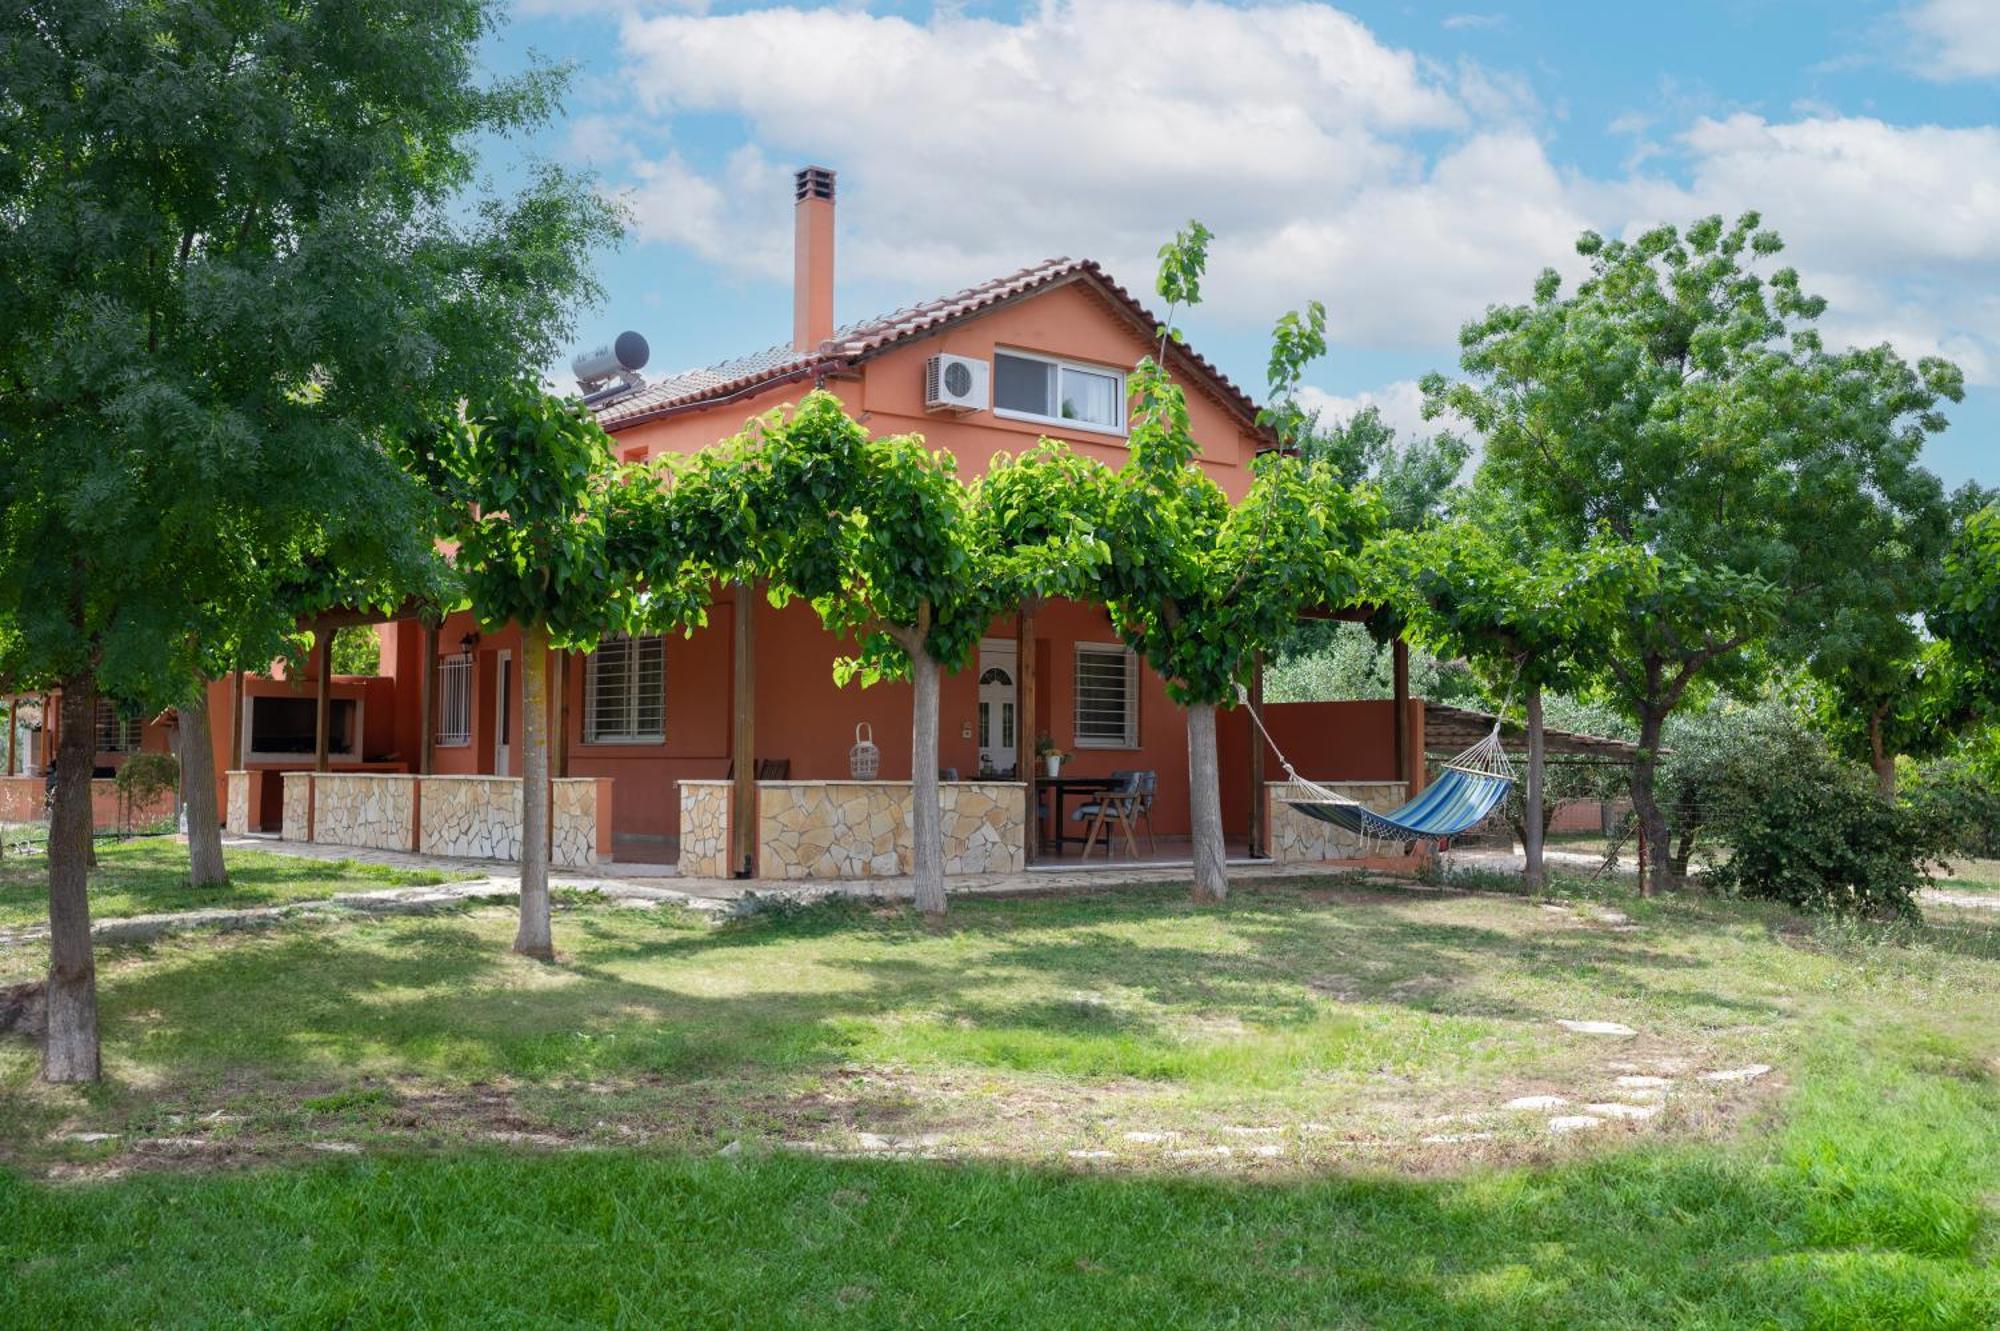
{"points": [[1406, 163]]}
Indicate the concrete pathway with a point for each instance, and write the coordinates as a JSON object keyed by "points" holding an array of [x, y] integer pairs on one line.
{"points": [[640, 886]]}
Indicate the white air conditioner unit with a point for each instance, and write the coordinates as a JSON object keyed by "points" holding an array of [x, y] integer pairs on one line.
{"points": [[955, 383]]}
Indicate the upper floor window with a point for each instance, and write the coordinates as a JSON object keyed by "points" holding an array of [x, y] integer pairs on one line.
{"points": [[625, 692], [1060, 392]]}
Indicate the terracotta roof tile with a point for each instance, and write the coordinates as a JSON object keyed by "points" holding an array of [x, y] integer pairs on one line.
{"points": [[857, 342]]}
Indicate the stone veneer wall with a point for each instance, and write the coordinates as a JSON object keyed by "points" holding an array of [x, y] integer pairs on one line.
{"points": [[1296, 838], [236, 807], [296, 825], [372, 809], [705, 829], [479, 817], [861, 829]]}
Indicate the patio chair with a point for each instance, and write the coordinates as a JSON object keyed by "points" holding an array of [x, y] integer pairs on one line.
{"points": [[1119, 803], [1149, 789]]}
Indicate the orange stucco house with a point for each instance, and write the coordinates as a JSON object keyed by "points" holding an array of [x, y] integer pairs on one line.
{"points": [[730, 750]]}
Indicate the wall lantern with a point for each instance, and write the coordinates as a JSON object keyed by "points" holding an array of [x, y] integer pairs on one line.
{"points": [[467, 645]]}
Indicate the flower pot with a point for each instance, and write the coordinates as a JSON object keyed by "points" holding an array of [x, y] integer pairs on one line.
{"points": [[1055, 766]]}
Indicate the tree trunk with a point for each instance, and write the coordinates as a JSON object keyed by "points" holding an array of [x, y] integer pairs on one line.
{"points": [[1533, 873], [926, 818], [204, 820], [1211, 880], [1880, 758], [69, 1053], [534, 939], [1646, 804]]}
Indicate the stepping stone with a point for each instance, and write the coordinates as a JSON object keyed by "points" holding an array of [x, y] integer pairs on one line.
{"points": [[336, 1148], [733, 1149], [1612, 1109], [1536, 1102], [85, 1138], [1091, 1155], [1613, 917], [1595, 1027], [1574, 1123], [1454, 1138], [1751, 1073], [1202, 1151], [1644, 1083], [1150, 1138], [1267, 1152]]}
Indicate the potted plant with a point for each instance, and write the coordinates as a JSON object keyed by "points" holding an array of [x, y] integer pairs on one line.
{"points": [[1051, 756]]}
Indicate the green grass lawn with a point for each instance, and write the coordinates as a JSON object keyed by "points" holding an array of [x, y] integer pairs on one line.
{"points": [[150, 874], [1104, 1110], [1972, 875]]}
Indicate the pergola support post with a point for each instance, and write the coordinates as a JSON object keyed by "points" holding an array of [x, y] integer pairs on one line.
{"points": [[427, 678], [1259, 796], [1400, 662], [1024, 728], [743, 735]]}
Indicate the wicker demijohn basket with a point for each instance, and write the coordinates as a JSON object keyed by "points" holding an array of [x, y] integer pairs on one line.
{"points": [[864, 759]]}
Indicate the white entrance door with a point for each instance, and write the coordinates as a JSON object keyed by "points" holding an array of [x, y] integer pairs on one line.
{"points": [[503, 718], [999, 723]]}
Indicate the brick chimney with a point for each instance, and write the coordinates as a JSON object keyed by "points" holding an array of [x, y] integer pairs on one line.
{"points": [[812, 259]]}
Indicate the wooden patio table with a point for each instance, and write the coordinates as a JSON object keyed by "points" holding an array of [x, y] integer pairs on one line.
{"points": [[1061, 789]]}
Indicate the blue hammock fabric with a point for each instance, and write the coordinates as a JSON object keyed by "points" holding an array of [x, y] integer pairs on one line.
{"points": [[1456, 802]]}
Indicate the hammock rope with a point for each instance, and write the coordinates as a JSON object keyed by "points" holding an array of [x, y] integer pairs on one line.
{"points": [[1472, 785]]}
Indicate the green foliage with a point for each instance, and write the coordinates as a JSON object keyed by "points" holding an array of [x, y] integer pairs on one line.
{"points": [[1967, 614], [144, 777], [1331, 660], [1729, 757], [1487, 587], [528, 480], [1964, 794], [1831, 846], [357, 651], [245, 245], [878, 534], [1196, 585], [1415, 479]]}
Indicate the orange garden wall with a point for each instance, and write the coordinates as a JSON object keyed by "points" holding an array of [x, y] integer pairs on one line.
{"points": [[22, 801]]}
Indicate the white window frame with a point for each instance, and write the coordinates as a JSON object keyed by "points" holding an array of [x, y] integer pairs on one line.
{"points": [[454, 721], [1130, 739], [1065, 422], [590, 686]]}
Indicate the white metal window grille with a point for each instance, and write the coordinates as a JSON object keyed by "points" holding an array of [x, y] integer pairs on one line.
{"points": [[1107, 697], [454, 702], [625, 692]]}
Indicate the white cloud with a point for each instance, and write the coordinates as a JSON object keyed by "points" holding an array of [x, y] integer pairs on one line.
{"points": [[1954, 39], [1461, 21], [1407, 193], [1401, 404]]}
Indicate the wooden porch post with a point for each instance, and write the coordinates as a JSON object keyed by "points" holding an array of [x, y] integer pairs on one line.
{"points": [[559, 723], [1400, 657], [427, 700], [1259, 797], [322, 696], [1024, 726], [13, 728], [743, 738], [51, 729], [236, 720]]}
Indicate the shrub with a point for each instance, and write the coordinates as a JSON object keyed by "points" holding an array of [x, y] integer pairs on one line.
{"points": [[1831, 845], [1966, 798]]}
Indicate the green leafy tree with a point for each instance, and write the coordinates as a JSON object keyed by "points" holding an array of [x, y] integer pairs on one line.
{"points": [[538, 508], [1967, 611], [1532, 614], [1199, 587], [242, 249], [1415, 479], [1682, 402], [880, 536]]}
